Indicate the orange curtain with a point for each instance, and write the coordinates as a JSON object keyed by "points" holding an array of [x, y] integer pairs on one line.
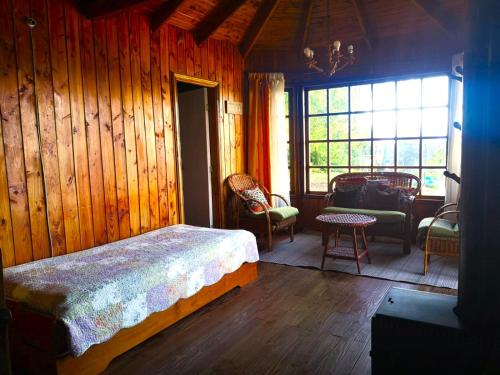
{"points": [[259, 153], [268, 133]]}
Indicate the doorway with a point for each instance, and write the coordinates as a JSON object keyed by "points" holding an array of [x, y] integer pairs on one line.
{"points": [[198, 160]]}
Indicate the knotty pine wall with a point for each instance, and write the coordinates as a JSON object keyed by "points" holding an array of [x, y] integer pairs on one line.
{"points": [[105, 125]]}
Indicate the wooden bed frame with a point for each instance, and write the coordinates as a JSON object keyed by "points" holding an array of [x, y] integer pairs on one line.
{"points": [[33, 336]]}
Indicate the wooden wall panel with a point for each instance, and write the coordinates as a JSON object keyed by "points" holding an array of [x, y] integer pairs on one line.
{"points": [[159, 128], [117, 126], [62, 111], [140, 132], [47, 128], [147, 99], [128, 125], [93, 131], [106, 130], [32, 159], [97, 162], [80, 154], [13, 142]]}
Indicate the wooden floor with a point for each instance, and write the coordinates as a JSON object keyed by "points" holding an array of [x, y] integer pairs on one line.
{"points": [[290, 320]]}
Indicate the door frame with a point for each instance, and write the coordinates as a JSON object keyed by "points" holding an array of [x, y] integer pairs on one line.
{"points": [[214, 125]]}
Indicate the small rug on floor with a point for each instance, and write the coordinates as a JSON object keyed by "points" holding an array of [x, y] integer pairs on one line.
{"points": [[388, 261]]}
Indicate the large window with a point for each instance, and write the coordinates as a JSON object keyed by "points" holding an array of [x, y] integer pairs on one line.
{"points": [[387, 126]]}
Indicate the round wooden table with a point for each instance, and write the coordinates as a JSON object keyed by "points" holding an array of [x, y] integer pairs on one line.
{"points": [[332, 224]]}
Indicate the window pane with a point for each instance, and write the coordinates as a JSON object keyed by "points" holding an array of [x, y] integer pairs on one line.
{"points": [[383, 153], [433, 182], [287, 103], [339, 127], [317, 101], [287, 133], [384, 124], [408, 93], [317, 154], [408, 123], [334, 172], [339, 153], [361, 125], [317, 128], [361, 98], [383, 169], [435, 122], [434, 152], [384, 95], [435, 91], [339, 99], [361, 153], [318, 179], [408, 152], [288, 153]]}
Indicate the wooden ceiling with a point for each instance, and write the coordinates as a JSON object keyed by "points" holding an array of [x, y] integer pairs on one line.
{"points": [[293, 24]]}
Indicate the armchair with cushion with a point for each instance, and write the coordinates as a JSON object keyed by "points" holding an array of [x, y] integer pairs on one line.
{"points": [[439, 235], [253, 210], [388, 196]]}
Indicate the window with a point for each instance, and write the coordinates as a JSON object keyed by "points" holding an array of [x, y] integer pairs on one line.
{"points": [[384, 126]]}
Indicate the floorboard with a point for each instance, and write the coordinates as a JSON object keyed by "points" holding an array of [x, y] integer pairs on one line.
{"points": [[290, 320]]}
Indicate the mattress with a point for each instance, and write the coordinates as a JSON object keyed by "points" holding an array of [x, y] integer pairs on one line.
{"points": [[97, 292]]}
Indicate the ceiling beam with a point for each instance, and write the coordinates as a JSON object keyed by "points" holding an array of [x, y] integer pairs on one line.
{"points": [[162, 14], [442, 19], [216, 17], [263, 14], [306, 21], [101, 8], [363, 22]]}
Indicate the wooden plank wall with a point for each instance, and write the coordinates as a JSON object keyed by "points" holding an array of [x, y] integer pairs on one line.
{"points": [[99, 165]]}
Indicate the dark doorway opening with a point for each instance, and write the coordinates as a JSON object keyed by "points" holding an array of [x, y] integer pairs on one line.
{"points": [[198, 153]]}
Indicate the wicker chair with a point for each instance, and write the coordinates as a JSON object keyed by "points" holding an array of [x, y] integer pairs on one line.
{"points": [[438, 235], [398, 225], [266, 223]]}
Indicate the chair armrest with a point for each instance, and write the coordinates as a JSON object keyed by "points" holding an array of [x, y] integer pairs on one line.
{"points": [[328, 197], [441, 209], [281, 197], [407, 204]]}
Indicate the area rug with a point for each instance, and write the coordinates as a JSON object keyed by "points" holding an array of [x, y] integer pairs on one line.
{"points": [[388, 261]]}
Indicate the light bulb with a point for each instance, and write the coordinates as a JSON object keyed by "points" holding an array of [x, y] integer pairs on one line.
{"points": [[309, 53], [350, 48], [336, 45]]}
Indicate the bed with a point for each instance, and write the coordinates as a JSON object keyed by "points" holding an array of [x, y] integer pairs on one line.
{"points": [[75, 313]]}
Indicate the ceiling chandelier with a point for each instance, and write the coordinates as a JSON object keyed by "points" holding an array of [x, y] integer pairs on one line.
{"points": [[336, 58]]}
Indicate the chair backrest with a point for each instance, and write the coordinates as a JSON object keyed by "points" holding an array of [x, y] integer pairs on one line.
{"points": [[407, 181], [238, 182]]}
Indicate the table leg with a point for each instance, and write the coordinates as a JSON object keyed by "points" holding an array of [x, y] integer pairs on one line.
{"points": [[365, 243], [326, 239], [355, 246], [337, 236]]}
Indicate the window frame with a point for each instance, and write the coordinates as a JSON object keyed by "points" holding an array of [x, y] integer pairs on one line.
{"points": [[349, 139], [292, 144]]}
